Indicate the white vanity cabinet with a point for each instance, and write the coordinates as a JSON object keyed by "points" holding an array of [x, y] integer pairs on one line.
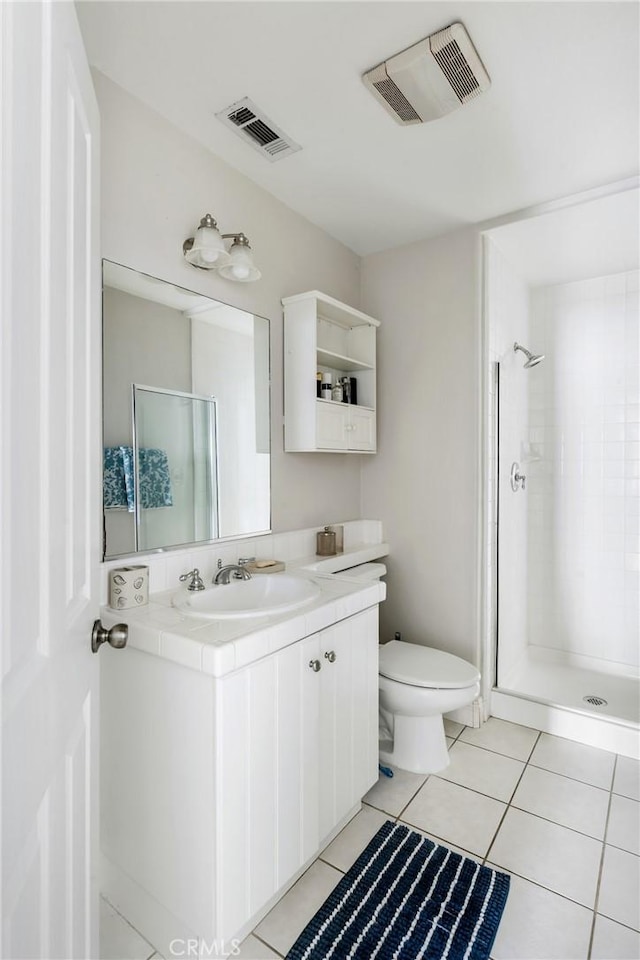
{"points": [[323, 335], [221, 789]]}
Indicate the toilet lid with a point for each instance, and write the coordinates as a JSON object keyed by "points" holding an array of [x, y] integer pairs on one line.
{"points": [[425, 667]]}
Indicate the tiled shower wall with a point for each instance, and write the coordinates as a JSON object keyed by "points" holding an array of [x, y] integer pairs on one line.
{"points": [[584, 481]]}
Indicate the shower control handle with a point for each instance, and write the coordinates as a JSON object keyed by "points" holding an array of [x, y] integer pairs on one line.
{"points": [[516, 478]]}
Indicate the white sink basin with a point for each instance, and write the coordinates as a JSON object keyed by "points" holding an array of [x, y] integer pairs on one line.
{"points": [[263, 594]]}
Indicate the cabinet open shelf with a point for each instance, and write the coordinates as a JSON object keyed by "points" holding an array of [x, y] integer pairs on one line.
{"points": [[341, 403], [326, 337], [327, 358]]}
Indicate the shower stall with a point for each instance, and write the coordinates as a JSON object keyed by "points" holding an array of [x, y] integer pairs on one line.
{"points": [[562, 454]]}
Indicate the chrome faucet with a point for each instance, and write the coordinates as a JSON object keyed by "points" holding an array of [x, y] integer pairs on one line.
{"points": [[224, 574], [194, 578]]}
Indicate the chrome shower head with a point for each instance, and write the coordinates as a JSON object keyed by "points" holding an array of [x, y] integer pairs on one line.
{"points": [[532, 358]]}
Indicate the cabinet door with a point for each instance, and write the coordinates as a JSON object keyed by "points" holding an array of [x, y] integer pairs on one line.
{"points": [[362, 429], [331, 423], [348, 716], [263, 715], [310, 669]]}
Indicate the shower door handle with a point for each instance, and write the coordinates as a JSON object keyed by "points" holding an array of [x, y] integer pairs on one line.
{"points": [[516, 478]]}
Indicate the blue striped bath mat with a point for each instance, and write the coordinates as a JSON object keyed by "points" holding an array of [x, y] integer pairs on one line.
{"points": [[407, 898]]}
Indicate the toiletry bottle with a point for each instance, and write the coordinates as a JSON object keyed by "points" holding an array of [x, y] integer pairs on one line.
{"points": [[326, 386], [336, 393]]}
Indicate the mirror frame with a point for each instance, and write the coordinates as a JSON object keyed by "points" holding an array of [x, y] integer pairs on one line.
{"points": [[194, 544]]}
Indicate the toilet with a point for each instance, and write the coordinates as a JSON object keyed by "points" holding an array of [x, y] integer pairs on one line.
{"points": [[417, 686]]}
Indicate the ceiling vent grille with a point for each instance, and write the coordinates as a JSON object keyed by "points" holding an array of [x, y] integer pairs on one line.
{"points": [[396, 99], [255, 128], [431, 78]]}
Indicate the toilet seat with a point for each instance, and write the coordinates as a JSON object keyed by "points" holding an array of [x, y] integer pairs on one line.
{"points": [[419, 666]]}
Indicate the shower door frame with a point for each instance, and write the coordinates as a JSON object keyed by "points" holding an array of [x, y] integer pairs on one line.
{"points": [[213, 475], [515, 707]]}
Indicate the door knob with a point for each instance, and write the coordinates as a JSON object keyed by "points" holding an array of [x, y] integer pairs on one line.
{"points": [[315, 665], [330, 656], [117, 636]]}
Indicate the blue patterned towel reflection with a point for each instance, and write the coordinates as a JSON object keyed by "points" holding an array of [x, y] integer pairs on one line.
{"points": [[119, 478], [114, 486]]}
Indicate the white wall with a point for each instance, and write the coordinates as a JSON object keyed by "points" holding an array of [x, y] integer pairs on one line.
{"points": [[584, 522], [507, 299], [156, 185], [146, 343], [423, 484], [223, 362]]}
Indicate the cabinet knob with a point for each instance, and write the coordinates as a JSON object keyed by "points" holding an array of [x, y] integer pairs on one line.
{"points": [[330, 655], [315, 665]]}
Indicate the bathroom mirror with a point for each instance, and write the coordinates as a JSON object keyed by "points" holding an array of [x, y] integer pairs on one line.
{"points": [[186, 441]]}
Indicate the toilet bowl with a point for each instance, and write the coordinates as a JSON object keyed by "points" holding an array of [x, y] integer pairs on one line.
{"points": [[417, 685]]}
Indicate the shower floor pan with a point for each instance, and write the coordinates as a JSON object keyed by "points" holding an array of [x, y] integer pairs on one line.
{"points": [[549, 694]]}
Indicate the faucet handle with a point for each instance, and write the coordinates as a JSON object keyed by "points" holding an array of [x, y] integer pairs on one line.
{"points": [[195, 580], [244, 560]]}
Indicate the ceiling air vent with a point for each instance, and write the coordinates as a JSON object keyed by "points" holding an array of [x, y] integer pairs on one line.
{"points": [[431, 78], [255, 128]]}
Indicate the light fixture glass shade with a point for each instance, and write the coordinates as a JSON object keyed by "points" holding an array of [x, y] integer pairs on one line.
{"points": [[240, 266], [208, 248]]}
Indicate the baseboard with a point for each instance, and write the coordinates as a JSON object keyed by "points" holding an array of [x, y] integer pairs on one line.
{"points": [[473, 715], [150, 918], [162, 929]]}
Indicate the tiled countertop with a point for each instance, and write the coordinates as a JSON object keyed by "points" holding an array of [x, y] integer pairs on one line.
{"points": [[218, 647]]}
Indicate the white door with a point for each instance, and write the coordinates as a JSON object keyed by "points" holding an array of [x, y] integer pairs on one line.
{"points": [[50, 486]]}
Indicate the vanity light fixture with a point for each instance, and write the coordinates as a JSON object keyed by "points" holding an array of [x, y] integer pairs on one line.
{"points": [[207, 251]]}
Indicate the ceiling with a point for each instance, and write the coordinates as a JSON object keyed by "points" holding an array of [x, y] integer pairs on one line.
{"points": [[561, 116], [592, 239], [192, 305]]}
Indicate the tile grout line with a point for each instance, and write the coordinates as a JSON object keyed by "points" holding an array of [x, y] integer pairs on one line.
{"points": [[506, 809], [564, 826], [129, 924], [541, 886], [328, 863], [509, 804], [293, 885], [575, 779], [498, 753], [602, 853], [268, 945]]}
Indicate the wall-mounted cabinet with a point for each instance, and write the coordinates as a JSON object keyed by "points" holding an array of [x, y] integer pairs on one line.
{"points": [[323, 335]]}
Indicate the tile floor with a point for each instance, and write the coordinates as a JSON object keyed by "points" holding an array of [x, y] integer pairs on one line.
{"points": [[561, 818]]}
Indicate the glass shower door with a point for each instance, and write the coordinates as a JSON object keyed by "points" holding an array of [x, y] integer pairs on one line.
{"points": [[174, 469]]}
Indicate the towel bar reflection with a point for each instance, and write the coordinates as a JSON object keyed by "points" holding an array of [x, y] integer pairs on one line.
{"points": [[516, 478]]}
